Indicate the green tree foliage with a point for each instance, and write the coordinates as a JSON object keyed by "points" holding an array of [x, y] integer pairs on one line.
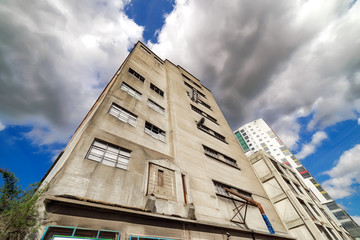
{"points": [[19, 213]]}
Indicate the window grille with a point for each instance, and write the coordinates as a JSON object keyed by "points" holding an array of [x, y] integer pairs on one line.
{"points": [[156, 89], [131, 91], [193, 82], [219, 156], [109, 154], [135, 74], [220, 189], [203, 113], [191, 87], [156, 106], [211, 132], [155, 131], [123, 114]]}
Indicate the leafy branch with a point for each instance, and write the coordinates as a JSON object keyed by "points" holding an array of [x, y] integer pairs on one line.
{"points": [[19, 213]]}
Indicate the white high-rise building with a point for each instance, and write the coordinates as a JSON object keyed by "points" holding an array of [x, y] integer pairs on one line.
{"points": [[257, 135]]}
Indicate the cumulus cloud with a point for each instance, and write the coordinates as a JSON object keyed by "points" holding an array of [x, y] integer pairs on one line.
{"points": [[310, 148], [276, 60], [55, 58], [345, 176]]}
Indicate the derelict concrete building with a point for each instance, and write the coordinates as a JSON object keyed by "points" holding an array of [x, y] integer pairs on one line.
{"points": [[155, 159], [297, 206]]}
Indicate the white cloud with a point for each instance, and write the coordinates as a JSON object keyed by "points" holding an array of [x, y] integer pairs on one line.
{"points": [[55, 58], [310, 148], [356, 219], [345, 176], [2, 126], [278, 61], [359, 121]]}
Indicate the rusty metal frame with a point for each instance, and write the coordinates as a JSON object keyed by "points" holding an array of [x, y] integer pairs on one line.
{"points": [[237, 210]]}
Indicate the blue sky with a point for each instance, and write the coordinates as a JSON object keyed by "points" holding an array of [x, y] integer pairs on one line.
{"points": [[294, 64]]}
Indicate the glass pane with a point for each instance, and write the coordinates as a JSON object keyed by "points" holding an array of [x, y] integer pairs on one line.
{"points": [[97, 151], [112, 149], [95, 158], [100, 144], [125, 153], [110, 156], [108, 162]]}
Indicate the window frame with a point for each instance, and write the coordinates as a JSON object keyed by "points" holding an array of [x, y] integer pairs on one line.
{"points": [[124, 153], [136, 75], [220, 157], [155, 131], [131, 118], [131, 91], [153, 105], [156, 89]]}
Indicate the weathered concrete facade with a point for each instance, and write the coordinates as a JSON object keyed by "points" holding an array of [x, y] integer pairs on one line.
{"points": [[258, 135], [152, 159], [297, 206]]}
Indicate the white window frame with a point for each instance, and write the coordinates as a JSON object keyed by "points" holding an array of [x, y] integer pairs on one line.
{"points": [[123, 115], [156, 106], [109, 154], [131, 91], [155, 131]]}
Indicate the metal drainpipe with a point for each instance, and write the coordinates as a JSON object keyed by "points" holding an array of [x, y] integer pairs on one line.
{"points": [[266, 220]]}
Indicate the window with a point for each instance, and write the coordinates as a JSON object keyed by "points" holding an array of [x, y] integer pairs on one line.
{"points": [[326, 196], [203, 113], [131, 91], [291, 186], [211, 132], [192, 88], [332, 205], [204, 104], [340, 215], [109, 154], [193, 82], [156, 89], [122, 114], [300, 169], [348, 225], [142, 47], [156, 106], [277, 166], [144, 238], [298, 188], [313, 181], [263, 145], [219, 156], [242, 142], [158, 60], [306, 174], [314, 209], [161, 182], [135, 74], [220, 189], [52, 232], [306, 208], [155, 131]]}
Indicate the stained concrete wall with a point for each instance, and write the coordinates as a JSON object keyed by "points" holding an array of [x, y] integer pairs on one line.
{"points": [[182, 153]]}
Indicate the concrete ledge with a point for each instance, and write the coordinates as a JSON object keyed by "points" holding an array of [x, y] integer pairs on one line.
{"points": [[146, 213]]}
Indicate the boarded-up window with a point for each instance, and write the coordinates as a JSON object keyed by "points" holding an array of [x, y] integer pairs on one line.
{"points": [[162, 182]]}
